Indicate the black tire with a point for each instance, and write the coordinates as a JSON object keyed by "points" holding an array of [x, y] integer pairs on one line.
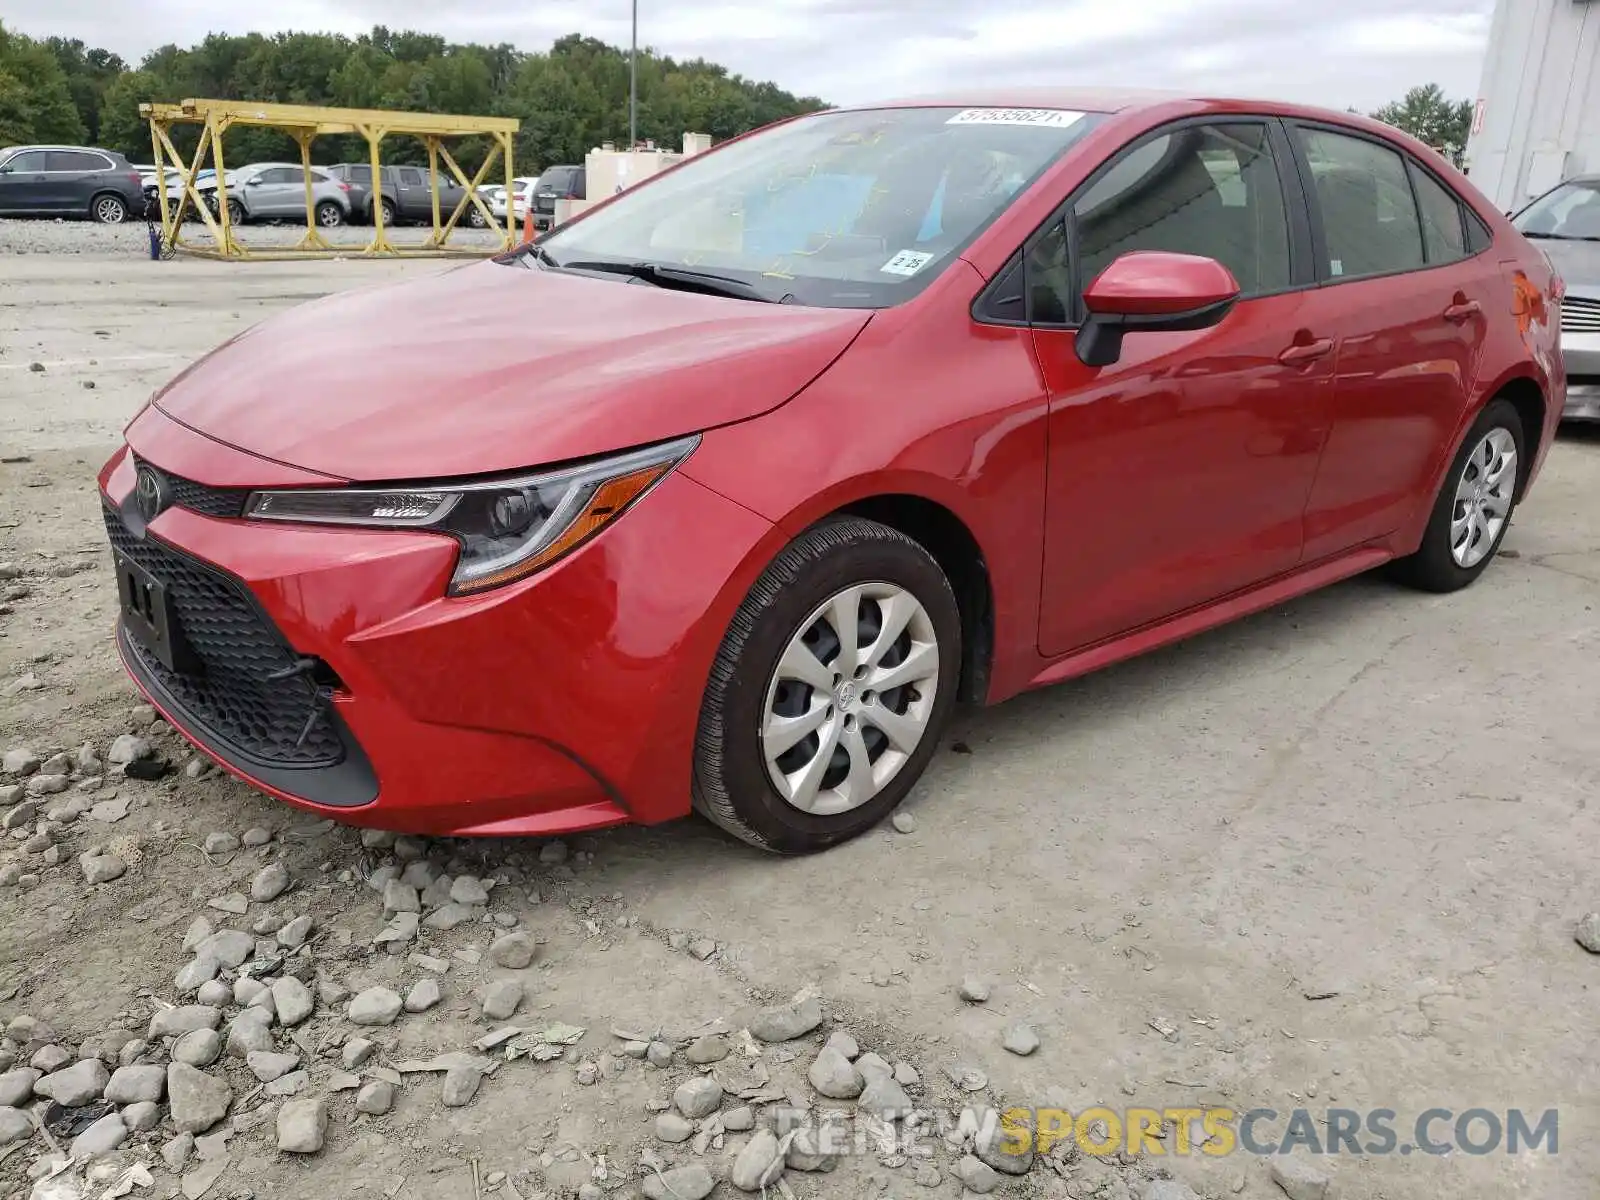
{"points": [[731, 787], [1433, 567], [236, 213], [475, 218], [329, 215], [108, 208], [389, 212]]}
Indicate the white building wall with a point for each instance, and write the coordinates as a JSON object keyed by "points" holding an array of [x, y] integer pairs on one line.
{"points": [[1538, 113]]}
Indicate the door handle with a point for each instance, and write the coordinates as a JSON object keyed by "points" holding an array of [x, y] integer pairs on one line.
{"points": [[1304, 352], [1461, 310]]}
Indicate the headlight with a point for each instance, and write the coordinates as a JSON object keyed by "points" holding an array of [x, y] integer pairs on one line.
{"points": [[508, 528]]}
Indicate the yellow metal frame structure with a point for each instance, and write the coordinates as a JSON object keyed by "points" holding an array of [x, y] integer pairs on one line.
{"points": [[305, 123]]}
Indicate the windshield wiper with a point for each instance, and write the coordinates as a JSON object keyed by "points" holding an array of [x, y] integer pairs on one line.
{"points": [[677, 277], [1561, 237]]}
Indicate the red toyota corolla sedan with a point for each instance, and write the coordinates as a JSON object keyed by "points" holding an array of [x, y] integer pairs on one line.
{"points": [[724, 493]]}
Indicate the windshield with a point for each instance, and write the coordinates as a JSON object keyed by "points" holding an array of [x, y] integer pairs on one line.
{"points": [[1570, 211], [857, 209]]}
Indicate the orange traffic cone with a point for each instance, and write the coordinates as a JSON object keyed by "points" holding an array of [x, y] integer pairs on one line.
{"points": [[527, 222]]}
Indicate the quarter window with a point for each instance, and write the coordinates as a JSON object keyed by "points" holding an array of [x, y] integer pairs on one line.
{"points": [[1442, 232], [1210, 190], [1369, 218]]}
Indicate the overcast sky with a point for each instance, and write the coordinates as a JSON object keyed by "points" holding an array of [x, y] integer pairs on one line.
{"points": [[1355, 52]]}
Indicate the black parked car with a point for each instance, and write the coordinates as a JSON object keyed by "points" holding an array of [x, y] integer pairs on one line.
{"points": [[557, 183], [68, 181], [406, 195]]}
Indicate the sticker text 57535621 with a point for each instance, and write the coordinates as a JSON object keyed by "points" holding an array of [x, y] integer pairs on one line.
{"points": [[1053, 118]]}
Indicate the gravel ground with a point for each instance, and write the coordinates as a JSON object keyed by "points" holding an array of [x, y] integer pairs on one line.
{"points": [[1334, 856], [87, 237]]}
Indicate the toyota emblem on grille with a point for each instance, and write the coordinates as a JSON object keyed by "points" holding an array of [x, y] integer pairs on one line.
{"points": [[150, 492]]}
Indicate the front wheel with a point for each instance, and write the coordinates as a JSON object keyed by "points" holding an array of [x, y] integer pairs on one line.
{"points": [[1473, 509], [829, 694], [475, 218], [236, 213]]}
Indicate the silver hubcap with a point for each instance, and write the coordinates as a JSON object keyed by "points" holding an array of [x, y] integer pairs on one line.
{"points": [[1483, 498], [850, 698], [110, 211], [331, 216]]}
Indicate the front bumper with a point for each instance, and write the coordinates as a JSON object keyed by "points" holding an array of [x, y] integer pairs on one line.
{"points": [[568, 701], [1580, 354], [1583, 401]]}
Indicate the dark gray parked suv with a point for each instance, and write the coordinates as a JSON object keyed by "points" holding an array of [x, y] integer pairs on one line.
{"points": [[406, 195], [68, 181]]}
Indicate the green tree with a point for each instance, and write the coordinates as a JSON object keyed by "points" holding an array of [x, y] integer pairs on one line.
{"points": [[1427, 115], [35, 95]]}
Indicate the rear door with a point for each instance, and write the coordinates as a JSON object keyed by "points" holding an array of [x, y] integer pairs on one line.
{"points": [[75, 175], [24, 185], [1409, 300], [415, 200], [1180, 473]]}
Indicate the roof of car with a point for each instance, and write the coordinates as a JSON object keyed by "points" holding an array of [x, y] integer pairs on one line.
{"points": [[42, 146], [1106, 100]]}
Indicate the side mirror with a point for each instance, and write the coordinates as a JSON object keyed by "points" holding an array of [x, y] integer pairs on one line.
{"points": [[1152, 291]]}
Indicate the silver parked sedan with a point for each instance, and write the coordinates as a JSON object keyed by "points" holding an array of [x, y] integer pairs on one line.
{"points": [[1565, 223]]}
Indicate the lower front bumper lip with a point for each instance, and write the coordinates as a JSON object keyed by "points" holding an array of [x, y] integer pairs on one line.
{"points": [[1583, 403], [349, 784]]}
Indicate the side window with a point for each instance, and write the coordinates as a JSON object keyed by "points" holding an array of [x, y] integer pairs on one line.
{"points": [[28, 160], [410, 177], [1211, 190], [276, 175], [1442, 234], [1369, 219], [75, 160]]}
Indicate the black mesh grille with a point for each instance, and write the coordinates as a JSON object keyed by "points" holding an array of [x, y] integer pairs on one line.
{"points": [[201, 497], [232, 698]]}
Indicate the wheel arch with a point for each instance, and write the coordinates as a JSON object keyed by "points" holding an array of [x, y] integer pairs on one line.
{"points": [[1528, 398], [944, 535]]}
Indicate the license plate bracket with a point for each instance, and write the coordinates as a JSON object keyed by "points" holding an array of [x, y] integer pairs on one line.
{"points": [[147, 615]]}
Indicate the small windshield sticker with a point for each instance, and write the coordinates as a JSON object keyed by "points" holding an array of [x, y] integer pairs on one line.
{"points": [[1054, 118], [907, 262]]}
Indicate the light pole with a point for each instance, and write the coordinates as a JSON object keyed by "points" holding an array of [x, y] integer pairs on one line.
{"points": [[633, 82]]}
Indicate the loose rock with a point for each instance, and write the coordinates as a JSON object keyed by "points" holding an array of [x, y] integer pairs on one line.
{"points": [[835, 1076], [128, 748], [1021, 1039], [738, 1120], [703, 1051], [250, 1030], [76, 1085], [974, 990], [177, 1153], [256, 838], [302, 1126], [16, 1087], [760, 1163], [502, 999], [513, 951], [143, 1116], [658, 1054], [1587, 934], [198, 1048], [221, 843], [670, 1127], [993, 1148], [14, 1126], [267, 1065], [294, 934], [270, 882], [20, 761], [101, 1138], [172, 1022], [809, 1150], [467, 890], [293, 1001], [1299, 1179], [976, 1175], [356, 1052], [375, 1006], [904, 822], [198, 1101], [424, 994], [141, 1082], [785, 1022], [376, 1097], [195, 972], [230, 947], [884, 1098], [1168, 1189], [102, 868], [693, 1182], [845, 1044], [47, 785], [698, 1097], [461, 1084]]}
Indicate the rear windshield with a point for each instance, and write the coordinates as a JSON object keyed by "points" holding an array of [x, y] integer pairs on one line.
{"points": [[856, 209]]}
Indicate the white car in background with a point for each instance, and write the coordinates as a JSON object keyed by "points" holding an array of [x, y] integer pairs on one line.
{"points": [[520, 191]]}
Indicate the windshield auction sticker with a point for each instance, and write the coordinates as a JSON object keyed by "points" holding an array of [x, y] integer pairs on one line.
{"points": [[907, 262], [1055, 118]]}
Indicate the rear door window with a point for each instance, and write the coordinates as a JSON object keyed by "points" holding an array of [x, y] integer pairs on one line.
{"points": [[1370, 224], [1443, 235], [75, 160], [410, 177]]}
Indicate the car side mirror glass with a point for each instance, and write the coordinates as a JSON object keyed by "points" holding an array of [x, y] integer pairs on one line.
{"points": [[1152, 291]]}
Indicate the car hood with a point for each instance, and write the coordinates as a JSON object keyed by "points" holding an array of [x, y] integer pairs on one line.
{"points": [[1577, 262], [493, 368]]}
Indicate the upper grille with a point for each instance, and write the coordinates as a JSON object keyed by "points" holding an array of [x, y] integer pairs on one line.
{"points": [[1579, 314], [274, 722], [201, 497]]}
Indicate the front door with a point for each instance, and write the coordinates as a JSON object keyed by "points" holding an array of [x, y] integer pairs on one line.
{"points": [[24, 184], [1180, 473]]}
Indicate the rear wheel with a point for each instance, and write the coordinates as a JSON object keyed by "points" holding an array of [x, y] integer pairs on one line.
{"points": [[1474, 506], [109, 209], [329, 215], [388, 211], [474, 217], [830, 691]]}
